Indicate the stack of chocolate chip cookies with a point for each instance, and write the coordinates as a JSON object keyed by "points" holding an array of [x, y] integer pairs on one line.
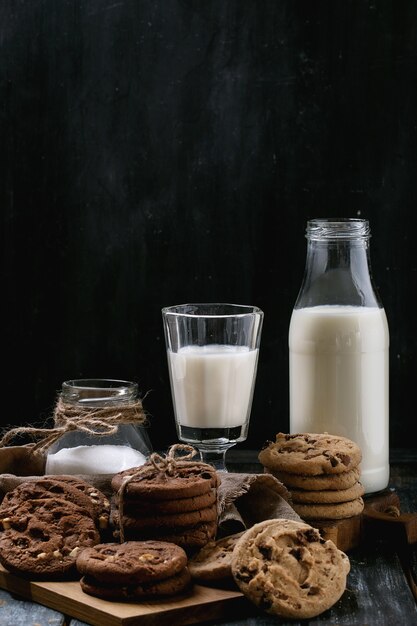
{"points": [[177, 505], [321, 472], [46, 522], [133, 570]]}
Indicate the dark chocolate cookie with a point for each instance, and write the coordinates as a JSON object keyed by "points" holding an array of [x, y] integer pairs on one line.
{"points": [[97, 499], [42, 538], [155, 522], [186, 480], [47, 487], [156, 589], [177, 505], [131, 562], [190, 539]]}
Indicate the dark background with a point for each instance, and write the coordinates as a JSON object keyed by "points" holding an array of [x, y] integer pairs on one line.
{"points": [[159, 152]]}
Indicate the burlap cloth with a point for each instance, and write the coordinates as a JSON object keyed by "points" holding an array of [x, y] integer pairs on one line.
{"points": [[243, 499]]}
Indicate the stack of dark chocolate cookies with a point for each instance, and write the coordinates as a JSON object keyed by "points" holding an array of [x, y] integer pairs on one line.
{"points": [[321, 472], [133, 570], [178, 506]]}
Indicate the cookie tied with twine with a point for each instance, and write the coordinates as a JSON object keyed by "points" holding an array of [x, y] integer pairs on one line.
{"points": [[100, 421], [164, 476]]}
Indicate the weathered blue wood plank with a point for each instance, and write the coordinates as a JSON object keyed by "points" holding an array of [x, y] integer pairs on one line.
{"points": [[17, 612]]}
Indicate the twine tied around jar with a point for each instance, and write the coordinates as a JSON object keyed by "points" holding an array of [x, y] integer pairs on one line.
{"points": [[167, 464], [102, 421]]}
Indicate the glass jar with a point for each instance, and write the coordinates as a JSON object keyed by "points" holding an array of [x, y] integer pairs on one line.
{"points": [[339, 345], [94, 406]]}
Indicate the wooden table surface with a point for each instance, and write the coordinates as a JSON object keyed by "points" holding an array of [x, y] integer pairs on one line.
{"points": [[381, 587]]}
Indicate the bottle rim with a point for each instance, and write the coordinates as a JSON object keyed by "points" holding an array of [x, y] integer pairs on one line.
{"points": [[332, 228]]}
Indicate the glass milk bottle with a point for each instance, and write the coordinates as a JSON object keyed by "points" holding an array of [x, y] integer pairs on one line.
{"points": [[338, 346]]}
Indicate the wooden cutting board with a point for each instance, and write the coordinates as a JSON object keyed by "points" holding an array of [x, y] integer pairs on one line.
{"points": [[202, 604]]}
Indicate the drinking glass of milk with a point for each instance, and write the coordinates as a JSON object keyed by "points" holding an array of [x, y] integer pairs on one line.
{"points": [[212, 352], [338, 346]]}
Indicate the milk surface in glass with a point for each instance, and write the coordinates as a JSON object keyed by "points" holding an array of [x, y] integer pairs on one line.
{"points": [[339, 380], [212, 385]]}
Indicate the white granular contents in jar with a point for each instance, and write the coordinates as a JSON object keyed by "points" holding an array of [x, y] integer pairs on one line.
{"points": [[102, 459]]}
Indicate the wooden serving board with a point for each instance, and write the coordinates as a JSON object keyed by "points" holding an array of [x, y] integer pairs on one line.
{"points": [[202, 604]]}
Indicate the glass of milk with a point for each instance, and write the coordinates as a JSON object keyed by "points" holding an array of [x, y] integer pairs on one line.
{"points": [[212, 352]]}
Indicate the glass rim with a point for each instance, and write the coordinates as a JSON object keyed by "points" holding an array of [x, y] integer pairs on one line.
{"points": [[99, 384], [241, 310]]}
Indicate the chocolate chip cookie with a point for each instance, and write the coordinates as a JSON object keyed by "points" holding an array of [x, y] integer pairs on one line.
{"points": [[285, 568], [344, 480], [330, 496], [311, 454], [320, 511]]}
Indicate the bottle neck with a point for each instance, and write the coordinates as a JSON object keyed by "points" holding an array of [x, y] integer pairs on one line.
{"points": [[338, 270]]}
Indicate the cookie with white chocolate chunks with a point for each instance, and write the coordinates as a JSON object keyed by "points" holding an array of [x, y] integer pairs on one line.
{"points": [[42, 537], [97, 499], [46, 487], [131, 562], [310, 454], [285, 568]]}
